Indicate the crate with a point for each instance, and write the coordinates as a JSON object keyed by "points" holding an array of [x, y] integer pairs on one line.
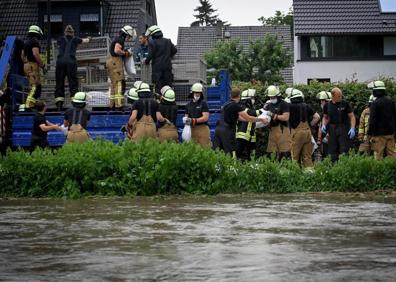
{"points": [[189, 71]]}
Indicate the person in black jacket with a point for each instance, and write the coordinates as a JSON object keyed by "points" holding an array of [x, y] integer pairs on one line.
{"points": [[161, 51], [339, 121], [66, 65], [382, 122], [41, 126]]}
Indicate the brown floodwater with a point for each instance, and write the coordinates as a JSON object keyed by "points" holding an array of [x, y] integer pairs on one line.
{"points": [[224, 238]]}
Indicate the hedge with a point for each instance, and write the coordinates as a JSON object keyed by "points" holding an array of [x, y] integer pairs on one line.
{"points": [[150, 168]]}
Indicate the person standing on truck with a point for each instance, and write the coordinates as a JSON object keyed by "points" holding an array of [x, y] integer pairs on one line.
{"points": [[66, 65], [115, 66], [161, 51], [76, 120], [41, 126], [32, 64], [225, 133], [197, 115]]}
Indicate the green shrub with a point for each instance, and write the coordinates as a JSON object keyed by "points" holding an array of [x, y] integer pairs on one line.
{"points": [[151, 168]]}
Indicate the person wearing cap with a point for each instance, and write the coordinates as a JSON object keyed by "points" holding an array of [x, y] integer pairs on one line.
{"points": [[144, 114], [167, 130], [132, 96], [246, 131], [365, 145], [231, 112], [302, 117], [161, 51], [32, 64], [339, 122], [66, 65], [197, 115], [41, 126], [115, 66], [322, 139], [382, 122], [76, 120], [279, 139]]}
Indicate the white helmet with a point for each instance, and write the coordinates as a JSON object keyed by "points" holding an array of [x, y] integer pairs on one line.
{"points": [[132, 94], [376, 85], [130, 31], [197, 87], [35, 29], [168, 93], [296, 94], [372, 98], [152, 29], [273, 91], [144, 87]]}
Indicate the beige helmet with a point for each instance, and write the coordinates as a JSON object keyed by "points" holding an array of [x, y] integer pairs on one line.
{"points": [[168, 93], [273, 91], [80, 97]]}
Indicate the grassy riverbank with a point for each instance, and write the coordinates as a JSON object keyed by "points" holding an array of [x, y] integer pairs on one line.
{"points": [[148, 168]]}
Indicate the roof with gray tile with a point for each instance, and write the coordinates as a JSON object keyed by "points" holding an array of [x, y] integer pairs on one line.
{"points": [[341, 17], [194, 42], [17, 15]]}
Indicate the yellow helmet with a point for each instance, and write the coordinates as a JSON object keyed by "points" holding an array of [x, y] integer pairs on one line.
{"points": [[168, 93], [273, 91]]}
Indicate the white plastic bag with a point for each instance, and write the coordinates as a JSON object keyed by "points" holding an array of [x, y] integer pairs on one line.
{"points": [[64, 129], [129, 65], [186, 134], [266, 116], [315, 146]]}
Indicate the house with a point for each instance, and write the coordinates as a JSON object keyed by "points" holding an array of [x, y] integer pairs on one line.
{"points": [[88, 17], [193, 42], [337, 40]]}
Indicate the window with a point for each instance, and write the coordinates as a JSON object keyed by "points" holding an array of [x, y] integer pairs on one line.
{"points": [[389, 46], [388, 6], [342, 47], [89, 25], [56, 25]]}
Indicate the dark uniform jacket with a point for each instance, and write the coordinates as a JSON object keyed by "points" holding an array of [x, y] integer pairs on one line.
{"points": [[382, 117], [161, 50]]}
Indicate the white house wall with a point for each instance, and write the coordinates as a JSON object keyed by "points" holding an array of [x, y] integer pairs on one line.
{"points": [[339, 71]]}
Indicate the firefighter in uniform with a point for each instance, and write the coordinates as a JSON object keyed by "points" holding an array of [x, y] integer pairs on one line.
{"points": [[132, 97], [279, 140], [301, 117], [115, 66], [167, 130], [197, 115], [76, 120], [365, 145], [144, 115], [382, 122], [323, 139], [66, 65], [246, 131], [339, 121], [225, 133], [160, 52], [32, 65]]}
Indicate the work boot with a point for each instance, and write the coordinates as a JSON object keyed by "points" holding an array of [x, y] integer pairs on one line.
{"points": [[59, 106]]}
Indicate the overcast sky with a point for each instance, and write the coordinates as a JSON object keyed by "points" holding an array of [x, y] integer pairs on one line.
{"points": [[174, 13]]}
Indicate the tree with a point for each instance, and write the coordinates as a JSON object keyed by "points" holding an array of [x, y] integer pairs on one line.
{"points": [[262, 60], [280, 18], [205, 14]]}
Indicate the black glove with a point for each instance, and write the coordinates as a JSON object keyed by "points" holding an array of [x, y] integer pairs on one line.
{"points": [[124, 129]]}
